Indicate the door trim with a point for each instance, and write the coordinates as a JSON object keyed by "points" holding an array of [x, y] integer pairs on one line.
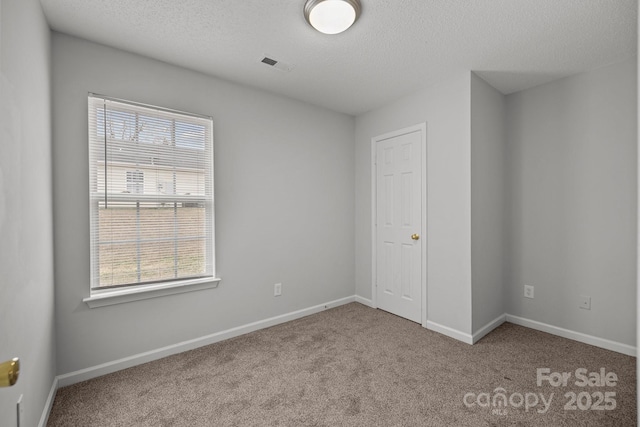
{"points": [[422, 128]]}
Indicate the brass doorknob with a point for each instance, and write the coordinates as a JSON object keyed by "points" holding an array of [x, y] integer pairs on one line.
{"points": [[415, 236], [9, 372]]}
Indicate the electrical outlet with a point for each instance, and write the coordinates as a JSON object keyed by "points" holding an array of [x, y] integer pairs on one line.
{"points": [[528, 291], [20, 412], [277, 289], [585, 302]]}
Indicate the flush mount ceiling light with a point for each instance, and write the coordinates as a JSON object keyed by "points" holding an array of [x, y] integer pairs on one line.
{"points": [[331, 16]]}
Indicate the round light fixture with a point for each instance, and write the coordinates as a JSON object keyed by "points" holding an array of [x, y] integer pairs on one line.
{"points": [[331, 16]]}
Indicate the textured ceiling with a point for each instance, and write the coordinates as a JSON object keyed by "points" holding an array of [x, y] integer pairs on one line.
{"points": [[395, 47]]}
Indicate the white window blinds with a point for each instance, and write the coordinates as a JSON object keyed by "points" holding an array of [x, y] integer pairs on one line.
{"points": [[151, 193]]}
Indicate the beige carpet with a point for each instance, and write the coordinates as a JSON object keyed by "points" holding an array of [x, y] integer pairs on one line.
{"points": [[355, 366]]}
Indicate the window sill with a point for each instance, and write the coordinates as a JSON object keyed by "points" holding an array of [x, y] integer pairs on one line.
{"points": [[120, 296]]}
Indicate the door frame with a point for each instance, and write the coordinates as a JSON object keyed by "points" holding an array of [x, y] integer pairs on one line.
{"points": [[422, 128]]}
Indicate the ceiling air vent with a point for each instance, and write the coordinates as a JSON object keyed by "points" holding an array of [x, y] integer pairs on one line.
{"points": [[278, 65], [269, 61]]}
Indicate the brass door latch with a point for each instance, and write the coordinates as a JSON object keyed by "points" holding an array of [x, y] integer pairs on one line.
{"points": [[9, 372]]}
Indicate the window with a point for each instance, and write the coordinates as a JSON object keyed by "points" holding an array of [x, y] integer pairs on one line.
{"points": [[151, 193], [135, 182]]}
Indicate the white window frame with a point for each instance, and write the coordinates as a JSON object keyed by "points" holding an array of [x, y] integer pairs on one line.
{"points": [[133, 292]]}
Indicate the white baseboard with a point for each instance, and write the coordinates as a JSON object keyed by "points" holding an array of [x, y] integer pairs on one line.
{"points": [[489, 327], [48, 404], [138, 359], [364, 301], [572, 335], [450, 332], [539, 326]]}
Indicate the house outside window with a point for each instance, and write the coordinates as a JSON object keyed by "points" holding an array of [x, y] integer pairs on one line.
{"points": [[135, 182], [151, 195]]}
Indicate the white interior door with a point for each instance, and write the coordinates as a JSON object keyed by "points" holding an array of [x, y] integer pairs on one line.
{"points": [[399, 219]]}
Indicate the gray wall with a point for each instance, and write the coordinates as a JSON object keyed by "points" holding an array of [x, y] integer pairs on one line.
{"points": [[488, 231], [445, 109], [573, 201], [26, 247], [284, 205]]}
